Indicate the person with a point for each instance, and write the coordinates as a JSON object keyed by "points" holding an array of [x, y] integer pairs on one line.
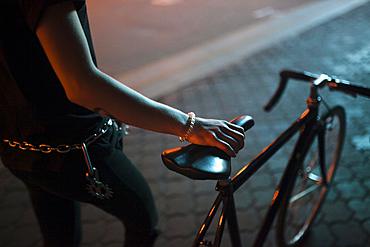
{"points": [[57, 133]]}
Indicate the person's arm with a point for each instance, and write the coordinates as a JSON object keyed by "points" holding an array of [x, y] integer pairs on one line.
{"points": [[61, 35]]}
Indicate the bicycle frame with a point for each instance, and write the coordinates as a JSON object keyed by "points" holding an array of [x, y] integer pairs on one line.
{"points": [[309, 125]]}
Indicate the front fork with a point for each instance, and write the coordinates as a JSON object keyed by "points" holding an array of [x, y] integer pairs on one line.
{"points": [[322, 159]]}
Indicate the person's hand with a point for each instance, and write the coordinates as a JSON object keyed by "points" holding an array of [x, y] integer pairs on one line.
{"points": [[218, 133]]}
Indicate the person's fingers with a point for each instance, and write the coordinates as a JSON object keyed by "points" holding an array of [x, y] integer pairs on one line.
{"points": [[235, 133], [231, 141], [225, 146], [217, 139], [225, 139], [236, 127]]}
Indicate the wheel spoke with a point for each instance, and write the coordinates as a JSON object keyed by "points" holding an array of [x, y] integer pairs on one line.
{"points": [[303, 193]]}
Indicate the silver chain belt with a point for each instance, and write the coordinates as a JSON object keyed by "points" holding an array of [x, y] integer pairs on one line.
{"points": [[63, 148], [95, 187]]}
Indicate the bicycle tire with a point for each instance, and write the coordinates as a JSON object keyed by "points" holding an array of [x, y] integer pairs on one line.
{"points": [[307, 193]]}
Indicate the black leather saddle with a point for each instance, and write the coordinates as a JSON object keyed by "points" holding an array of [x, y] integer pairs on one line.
{"points": [[203, 162]]}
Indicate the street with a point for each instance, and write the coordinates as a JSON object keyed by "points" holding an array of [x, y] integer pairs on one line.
{"points": [[159, 49], [129, 34]]}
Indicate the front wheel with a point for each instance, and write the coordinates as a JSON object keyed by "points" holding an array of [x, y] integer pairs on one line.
{"points": [[307, 193]]}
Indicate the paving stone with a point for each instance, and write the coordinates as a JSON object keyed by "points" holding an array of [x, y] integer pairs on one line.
{"points": [[24, 236], [181, 226], [171, 175], [156, 188], [179, 242], [247, 220], [263, 197], [361, 172], [320, 236], [178, 188], [112, 245], [343, 173], [16, 184], [153, 172], [152, 163], [160, 202], [248, 238], [366, 225], [10, 216], [93, 232], [349, 234], [113, 235], [6, 235], [361, 208], [331, 194], [243, 199], [261, 180], [336, 212], [181, 205], [352, 189], [16, 198], [29, 218], [203, 203], [90, 213]]}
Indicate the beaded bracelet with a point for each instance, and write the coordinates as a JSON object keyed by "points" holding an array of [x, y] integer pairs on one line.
{"points": [[191, 126]]}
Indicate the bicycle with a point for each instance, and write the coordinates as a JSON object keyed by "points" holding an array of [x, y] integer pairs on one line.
{"points": [[307, 176]]}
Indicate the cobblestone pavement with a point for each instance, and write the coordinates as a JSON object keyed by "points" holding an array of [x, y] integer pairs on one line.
{"points": [[341, 47]]}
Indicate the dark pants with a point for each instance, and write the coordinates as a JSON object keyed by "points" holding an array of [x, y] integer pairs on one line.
{"points": [[54, 195]]}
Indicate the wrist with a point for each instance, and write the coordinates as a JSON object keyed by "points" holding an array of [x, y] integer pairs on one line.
{"points": [[190, 126]]}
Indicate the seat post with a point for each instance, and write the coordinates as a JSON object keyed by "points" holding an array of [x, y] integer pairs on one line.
{"points": [[224, 186], [226, 190]]}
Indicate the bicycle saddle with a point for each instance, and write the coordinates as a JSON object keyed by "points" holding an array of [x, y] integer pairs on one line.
{"points": [[202, 162]]}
